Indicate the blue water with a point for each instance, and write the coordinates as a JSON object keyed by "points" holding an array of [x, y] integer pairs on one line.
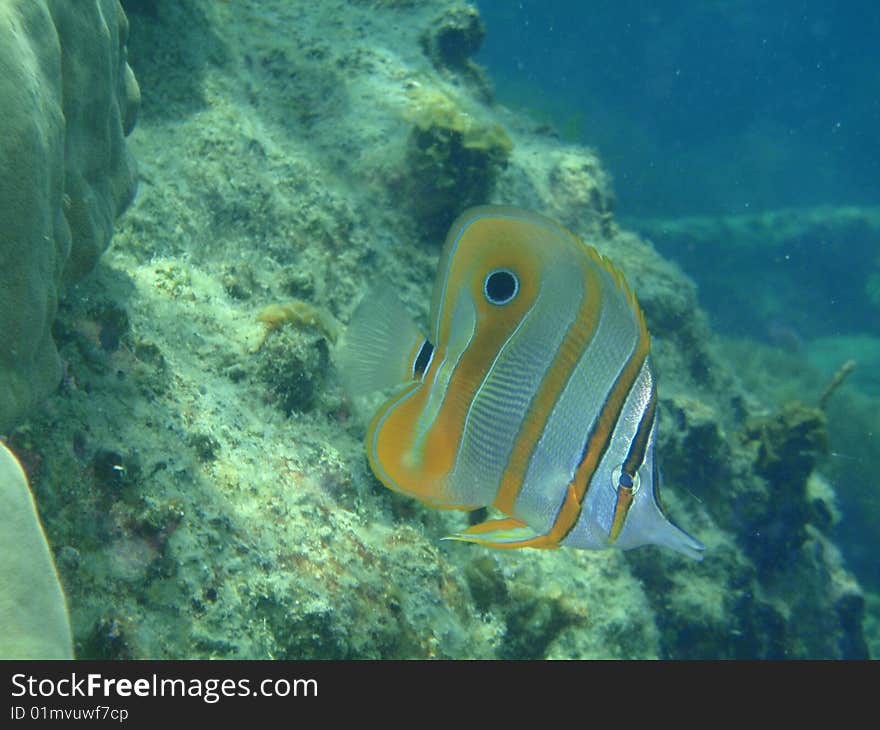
{"points": [[711, 107]]}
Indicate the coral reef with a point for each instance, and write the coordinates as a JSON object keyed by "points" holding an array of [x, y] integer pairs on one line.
{"points": [[69, 100], [208, 498]]}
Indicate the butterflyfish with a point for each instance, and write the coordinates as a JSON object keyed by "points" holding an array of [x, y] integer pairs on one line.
{"points": [[533, 392]]}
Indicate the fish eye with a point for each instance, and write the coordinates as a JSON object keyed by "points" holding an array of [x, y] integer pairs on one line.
{"points": [[500, 286]]}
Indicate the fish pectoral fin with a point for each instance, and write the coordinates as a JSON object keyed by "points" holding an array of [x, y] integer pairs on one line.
{"points": [[504, 533]]}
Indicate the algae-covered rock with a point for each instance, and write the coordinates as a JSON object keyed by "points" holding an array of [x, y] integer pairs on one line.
{"points": [[32, 610], [453, 159], [579, 189], [294, 369], [787, 445], [454, 37], [68, 99]]}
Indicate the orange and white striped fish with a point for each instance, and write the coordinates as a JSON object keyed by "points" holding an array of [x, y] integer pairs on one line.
{"points": [[533, 393]]}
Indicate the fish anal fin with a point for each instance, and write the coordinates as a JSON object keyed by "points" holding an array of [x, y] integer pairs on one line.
{"points": [[506, 533]]}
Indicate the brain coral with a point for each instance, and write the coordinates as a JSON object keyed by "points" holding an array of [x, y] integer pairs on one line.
{"points": [[69, 99]]}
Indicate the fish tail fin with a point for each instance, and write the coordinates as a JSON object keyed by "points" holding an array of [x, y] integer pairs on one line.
{"points": [[665, 532], [378, 348]]}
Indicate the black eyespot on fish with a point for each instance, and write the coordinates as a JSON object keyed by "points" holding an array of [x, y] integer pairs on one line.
{"points": [[501, 286], [621, 479]]}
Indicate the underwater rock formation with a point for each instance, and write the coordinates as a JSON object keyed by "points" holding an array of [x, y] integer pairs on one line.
{"points": [[455, 36], [799, 262], [786, 446], [453, 160], [452, 40], [69, 99]]}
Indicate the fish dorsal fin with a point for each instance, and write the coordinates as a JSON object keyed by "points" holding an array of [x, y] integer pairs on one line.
{"points": [[378, 348]]}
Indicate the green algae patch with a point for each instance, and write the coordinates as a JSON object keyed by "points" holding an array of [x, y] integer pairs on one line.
{"points": [[32, 609]]}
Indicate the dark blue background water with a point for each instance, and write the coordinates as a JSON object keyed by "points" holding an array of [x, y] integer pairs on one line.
{"points": [[710, 107]]}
